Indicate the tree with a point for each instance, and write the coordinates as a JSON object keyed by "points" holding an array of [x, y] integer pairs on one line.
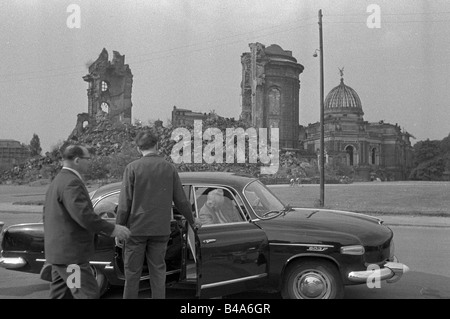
{"points": [[426, 151], [35, 145], [445, 145], [432, 159]]}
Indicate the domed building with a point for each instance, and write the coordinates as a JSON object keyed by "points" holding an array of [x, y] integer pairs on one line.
{"points": [[371, 150]]}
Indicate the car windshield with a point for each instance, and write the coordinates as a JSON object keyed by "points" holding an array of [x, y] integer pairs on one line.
{"points": [[264, 203]]}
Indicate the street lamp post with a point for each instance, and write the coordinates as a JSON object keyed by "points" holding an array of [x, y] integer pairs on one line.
{"points": [[322, 151]]}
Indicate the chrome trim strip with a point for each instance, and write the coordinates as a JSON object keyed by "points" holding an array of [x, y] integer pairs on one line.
{"points": [[106, 263], [23, 224], [310, 254], [233, 281], [109, 266], [225, 224], [302, 245], [104, 196]]}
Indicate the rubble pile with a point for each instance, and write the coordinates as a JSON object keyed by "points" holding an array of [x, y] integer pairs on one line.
{"points": [[112, 146], [33, 169]]}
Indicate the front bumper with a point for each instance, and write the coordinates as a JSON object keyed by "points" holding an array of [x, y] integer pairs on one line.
{"points": [[391, 271], [12, 262]]}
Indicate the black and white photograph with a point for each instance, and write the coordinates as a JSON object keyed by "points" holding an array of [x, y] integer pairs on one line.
{"points": [[225, 155]]}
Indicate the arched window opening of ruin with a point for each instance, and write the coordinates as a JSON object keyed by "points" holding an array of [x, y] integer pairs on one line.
{"points": [[105, 86], [274, 101], [104, 107]]}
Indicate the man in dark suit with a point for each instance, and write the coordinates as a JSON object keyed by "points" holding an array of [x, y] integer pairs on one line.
{"points": [[69, 228], [150, 185]]}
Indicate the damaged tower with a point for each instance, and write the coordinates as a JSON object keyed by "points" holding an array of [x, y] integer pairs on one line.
{"points": [[109, 91], [270, 91]]}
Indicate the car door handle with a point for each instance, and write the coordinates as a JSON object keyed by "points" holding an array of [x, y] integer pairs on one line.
{"points": [[209, 241]]}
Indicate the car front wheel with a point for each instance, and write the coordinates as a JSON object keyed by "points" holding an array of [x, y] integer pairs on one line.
{"points": [[312, 280]]}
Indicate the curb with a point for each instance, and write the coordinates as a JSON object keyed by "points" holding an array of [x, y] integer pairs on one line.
{"points": [[10, 208], [416, 221], [389, 219]]}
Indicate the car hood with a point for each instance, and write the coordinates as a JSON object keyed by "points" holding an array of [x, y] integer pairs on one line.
{"points": [[323, 226]]}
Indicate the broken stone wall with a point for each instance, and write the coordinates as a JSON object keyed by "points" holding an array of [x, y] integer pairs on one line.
{"points": [[110, 88]]}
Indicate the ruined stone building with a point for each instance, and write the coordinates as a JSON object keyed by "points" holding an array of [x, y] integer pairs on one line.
{"points": [[270, 91], [109, 91], [12, 153], [182, 117], [371, 149]]}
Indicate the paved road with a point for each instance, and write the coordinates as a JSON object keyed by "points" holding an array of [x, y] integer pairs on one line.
{"points": [[423, 249], [421, 243]]}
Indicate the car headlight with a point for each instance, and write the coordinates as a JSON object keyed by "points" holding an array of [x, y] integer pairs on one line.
{"points": [[353, 250]]}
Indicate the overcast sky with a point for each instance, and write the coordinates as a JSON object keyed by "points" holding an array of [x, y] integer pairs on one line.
{"points": [[187, 53]]}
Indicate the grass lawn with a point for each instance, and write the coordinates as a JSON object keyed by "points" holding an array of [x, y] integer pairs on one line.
{"points": [[408, 197]]}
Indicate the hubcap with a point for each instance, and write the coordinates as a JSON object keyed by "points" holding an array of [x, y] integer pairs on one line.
{"points": [[312, 284]]}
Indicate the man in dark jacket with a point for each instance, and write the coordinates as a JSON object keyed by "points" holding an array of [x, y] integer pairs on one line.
{"points": [[69, 228], [150, 185]]}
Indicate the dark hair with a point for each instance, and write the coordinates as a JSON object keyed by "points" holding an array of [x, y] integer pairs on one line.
{"points": [[146, 140], [72, 151]]}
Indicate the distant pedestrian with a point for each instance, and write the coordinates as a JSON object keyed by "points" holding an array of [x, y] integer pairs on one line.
{"points": [[150, 185], [69, 228]]}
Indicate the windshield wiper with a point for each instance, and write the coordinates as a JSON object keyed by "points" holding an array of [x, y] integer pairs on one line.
{"points": [[272, 212], [283, 211]]}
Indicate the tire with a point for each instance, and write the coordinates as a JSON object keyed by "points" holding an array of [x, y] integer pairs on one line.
{"points": [[312, 280], [102, 281]]}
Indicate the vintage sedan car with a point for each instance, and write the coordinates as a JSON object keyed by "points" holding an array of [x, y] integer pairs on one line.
{"points": [[264, 244]]}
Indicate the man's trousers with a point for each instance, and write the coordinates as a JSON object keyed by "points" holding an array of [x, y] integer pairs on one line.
{"points": [[153, 248], [73, 282]]}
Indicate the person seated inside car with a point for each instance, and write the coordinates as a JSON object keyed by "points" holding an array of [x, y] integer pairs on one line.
{"points": [[218, 209]]}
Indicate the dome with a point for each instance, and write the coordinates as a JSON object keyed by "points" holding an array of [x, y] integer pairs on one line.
{"points": [[276, 53], [343, 99], [277, 50]]}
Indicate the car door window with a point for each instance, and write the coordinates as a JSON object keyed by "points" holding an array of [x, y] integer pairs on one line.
{"points": [[107, 206], [216, 205]]}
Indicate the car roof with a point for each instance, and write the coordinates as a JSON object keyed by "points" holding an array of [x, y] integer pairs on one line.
{"points": [[218, 178], [236, 180]]}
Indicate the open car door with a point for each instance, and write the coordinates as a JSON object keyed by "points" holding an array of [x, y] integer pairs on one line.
{"points": [[230, 256]]}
